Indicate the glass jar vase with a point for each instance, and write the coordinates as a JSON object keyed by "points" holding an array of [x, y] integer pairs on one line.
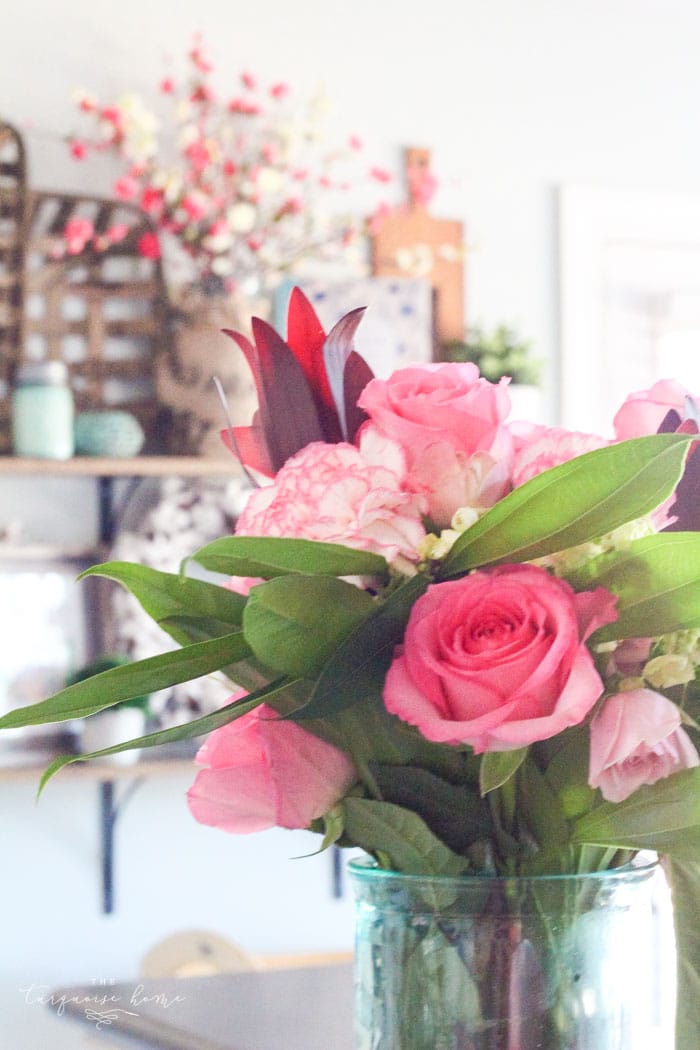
{"points": [[479, 963]]}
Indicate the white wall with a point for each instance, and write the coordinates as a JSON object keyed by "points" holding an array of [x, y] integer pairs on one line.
{"points": [[513, 97]]}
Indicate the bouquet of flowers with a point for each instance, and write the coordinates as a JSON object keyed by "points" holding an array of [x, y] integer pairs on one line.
{"points": [[244, 186], [461, 644]]}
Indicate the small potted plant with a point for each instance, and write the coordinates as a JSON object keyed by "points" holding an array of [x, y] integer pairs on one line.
{"points": [[501, 353], [123, 721]]}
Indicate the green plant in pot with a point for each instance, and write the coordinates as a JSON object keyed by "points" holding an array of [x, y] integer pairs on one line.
{"points": [[113, 726], [496, 354]]}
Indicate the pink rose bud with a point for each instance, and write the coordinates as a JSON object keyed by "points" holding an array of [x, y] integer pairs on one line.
{"points": [[267, 772], [644, 412], [636, 738]]}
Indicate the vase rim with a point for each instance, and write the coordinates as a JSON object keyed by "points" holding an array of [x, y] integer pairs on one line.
{"points": [[644, 864]]}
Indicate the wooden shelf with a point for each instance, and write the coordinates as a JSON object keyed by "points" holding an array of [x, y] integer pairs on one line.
{"points": [[137, 466], [99, 771]]}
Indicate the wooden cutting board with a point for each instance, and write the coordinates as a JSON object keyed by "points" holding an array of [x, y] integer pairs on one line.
{"points": [[410, 242]]}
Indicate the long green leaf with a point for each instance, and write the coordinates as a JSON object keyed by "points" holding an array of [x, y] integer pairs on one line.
{"points": [[499, 766], [657, 580], [130, 680], [186, 731], [358, 665], [664, 816], [294, 623], [401, 835], [274, 556], [573, 503], [166, 596], [684, 880]]}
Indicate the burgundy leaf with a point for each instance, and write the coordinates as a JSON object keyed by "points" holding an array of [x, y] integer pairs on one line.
{"points": [[670, 422], [305, 338], [248, 445], [336, 353], [287, 409], [686, 506], [357, 376]]}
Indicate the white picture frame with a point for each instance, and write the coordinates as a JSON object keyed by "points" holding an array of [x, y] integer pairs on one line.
{"points": [[630, 297]]}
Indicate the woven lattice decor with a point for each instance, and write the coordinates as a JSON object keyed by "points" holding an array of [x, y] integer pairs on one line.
{"points": [[104, 313], [12, 239]]}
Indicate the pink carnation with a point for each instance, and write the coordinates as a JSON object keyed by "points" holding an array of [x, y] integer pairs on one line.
{"points": [[266, 772], [539, 448], [450, 423], [336, 494], [636, 738]]}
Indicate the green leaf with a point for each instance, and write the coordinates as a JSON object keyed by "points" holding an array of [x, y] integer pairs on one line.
{"points": [[357, 667], [294, 623], [274, 556], [499, 766], [166, 597], [405, 839], [573, 503], [130, 680], [197, 727], [453, 812], [684, 880], [539, 809], [664, 817], [657, 580]]}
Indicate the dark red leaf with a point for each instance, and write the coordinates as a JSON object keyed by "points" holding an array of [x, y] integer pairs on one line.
{"points": [[248, 445], [337, 350], [670, 422], [305, 337], [287, 409], [357, 376], [686, 506]]}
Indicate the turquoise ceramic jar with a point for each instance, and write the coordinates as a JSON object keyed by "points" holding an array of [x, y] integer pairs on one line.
{"points": [[42, 411]]}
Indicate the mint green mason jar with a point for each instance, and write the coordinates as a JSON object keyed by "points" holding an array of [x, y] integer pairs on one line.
{"points": [[42, 411]]}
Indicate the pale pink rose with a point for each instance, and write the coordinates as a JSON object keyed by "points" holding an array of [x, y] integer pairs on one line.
{"points": [[266, 772], [442, 416], [332, 493], [643, 412], [539, 448], [629, 657], [636, 738], [497, 659]]}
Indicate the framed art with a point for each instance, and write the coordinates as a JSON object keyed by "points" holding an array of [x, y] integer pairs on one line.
{"points": [[398, 326], [630, 297]]}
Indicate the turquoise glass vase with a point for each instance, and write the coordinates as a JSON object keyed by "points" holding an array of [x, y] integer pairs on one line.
{"points": [[478, 963]]}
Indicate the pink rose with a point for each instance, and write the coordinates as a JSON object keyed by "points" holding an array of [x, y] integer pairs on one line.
{"points": [[644, 412], [539, 448], [442, 416], [266, 772], [636, 738], [336, 494], [497, 659]]}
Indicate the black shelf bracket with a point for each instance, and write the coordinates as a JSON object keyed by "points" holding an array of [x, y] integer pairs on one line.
{"points": [[110, 810]]}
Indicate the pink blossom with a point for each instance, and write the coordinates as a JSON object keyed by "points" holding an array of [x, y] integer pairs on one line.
{"points": [[77, 233], [355, 142], [279, 90], [78, 149], [381, 174], [498, 659], [167, 85], [116, 233], [266, 772], [334, 493], [444, 416], [151, 201], [149, 246], [126, 188], [644, 412], [248, 81], [538, 448], [194, 208], [636, 738]]}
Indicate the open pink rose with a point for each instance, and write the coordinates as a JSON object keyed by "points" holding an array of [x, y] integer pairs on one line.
{"points": [[636, 738], [443, 415], [497, 659], [643, 412], [266, 772], [337, 494]]}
